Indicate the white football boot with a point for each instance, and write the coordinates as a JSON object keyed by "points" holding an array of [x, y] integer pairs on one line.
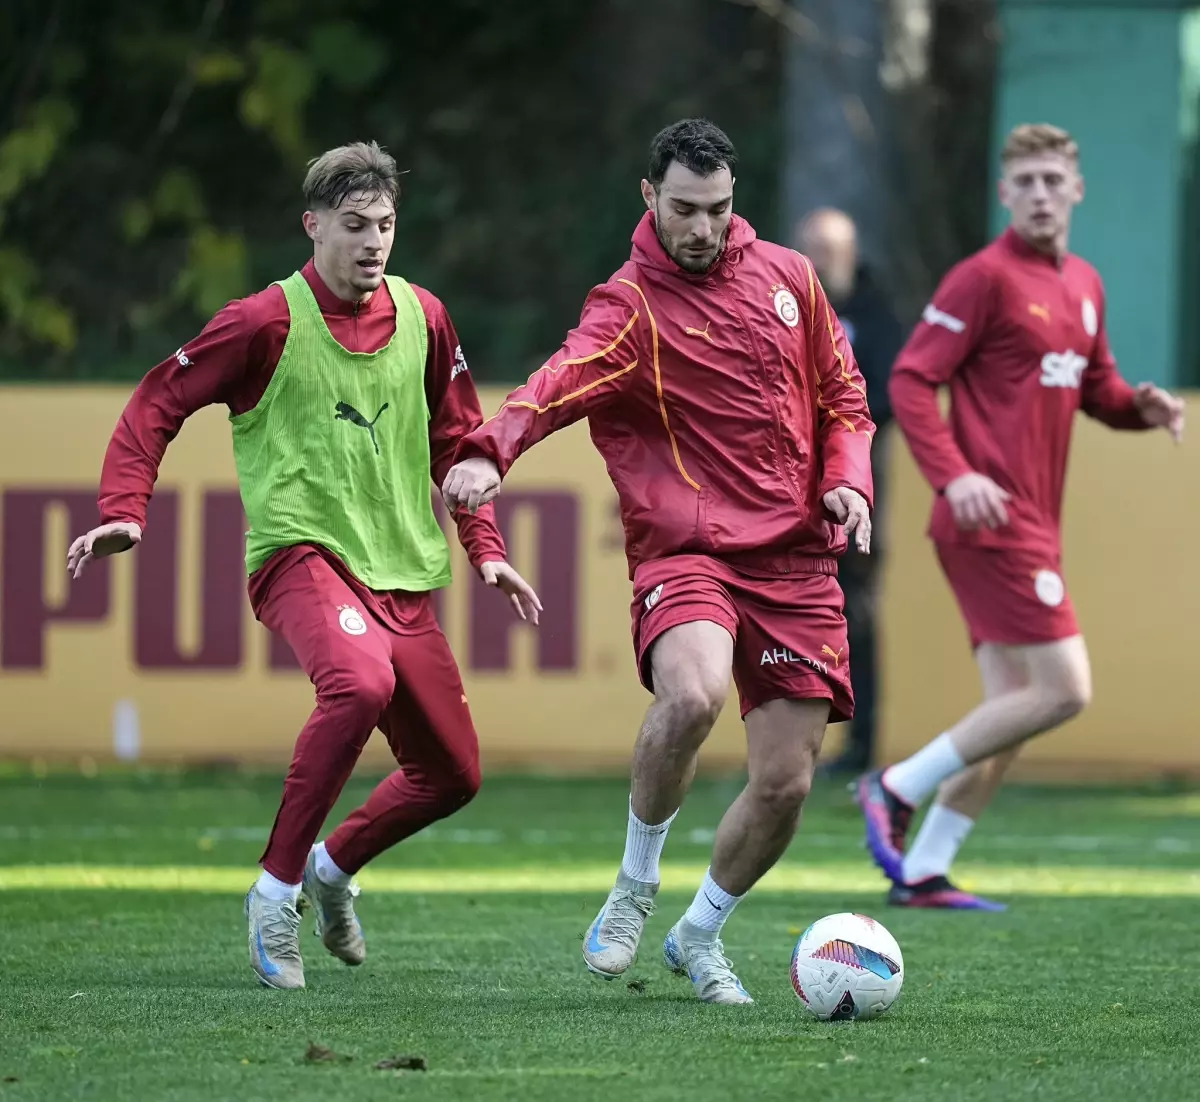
{"points": [[274, 940], [612, 941], [699, 955], [337, 924]]}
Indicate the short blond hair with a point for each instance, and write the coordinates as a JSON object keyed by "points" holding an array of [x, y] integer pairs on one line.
{"points": [[1031, 138], [360, 167]]}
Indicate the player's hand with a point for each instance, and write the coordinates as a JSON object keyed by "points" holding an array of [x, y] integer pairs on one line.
{"points": [[520, 593], [99, 543], [473, 483], [977, 501], [850, 508], [1160, 409]]}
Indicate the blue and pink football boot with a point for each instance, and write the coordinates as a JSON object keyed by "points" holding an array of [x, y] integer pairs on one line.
{"points": [[888, 819]]}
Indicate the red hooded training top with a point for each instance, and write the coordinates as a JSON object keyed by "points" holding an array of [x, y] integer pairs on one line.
{"points": [[725, 405], [1020, 339]]}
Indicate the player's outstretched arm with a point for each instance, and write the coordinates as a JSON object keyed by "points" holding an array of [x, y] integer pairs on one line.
{"points": [[594, 366], [196, 375], [844, 426], [454, 412]]}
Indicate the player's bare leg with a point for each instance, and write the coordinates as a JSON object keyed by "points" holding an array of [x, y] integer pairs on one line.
{"points": [[783, 740], [960, 801], [1028, 690], [691, 666]]}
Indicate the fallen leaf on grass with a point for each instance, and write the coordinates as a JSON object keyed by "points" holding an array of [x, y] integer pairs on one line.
{"points": [[78, 994], [638, 987], [403, 1063], [319, 1054]]}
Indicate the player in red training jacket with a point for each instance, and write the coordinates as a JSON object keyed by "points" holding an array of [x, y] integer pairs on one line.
{"points": [[723, 395], [1017, 333], [346, 391]]}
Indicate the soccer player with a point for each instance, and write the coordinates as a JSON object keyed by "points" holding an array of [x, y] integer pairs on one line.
{"points": [[347, 391], [726, 403], [1017, 332]]}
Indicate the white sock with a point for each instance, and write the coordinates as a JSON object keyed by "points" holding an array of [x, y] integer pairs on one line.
{"points": [[327, 870], [271, 888], [938, 842], [915, 778], [712, 905], [643, 847]]}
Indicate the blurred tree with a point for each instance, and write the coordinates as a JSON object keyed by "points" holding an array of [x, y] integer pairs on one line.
{"points": [[151, 156], [888, 116], [941, 75]]}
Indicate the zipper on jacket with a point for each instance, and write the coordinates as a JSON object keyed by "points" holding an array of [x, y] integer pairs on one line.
{"points": [[781, 460]]}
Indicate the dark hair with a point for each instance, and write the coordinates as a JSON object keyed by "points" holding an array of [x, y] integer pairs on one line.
{"points": [[357, 167], [697, 144]]}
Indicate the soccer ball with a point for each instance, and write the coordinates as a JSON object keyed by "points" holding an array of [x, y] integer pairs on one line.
{"points": [[847, 966]]}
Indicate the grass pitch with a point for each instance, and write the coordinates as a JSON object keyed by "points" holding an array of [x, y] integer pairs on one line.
{"points": [[124, 972]]}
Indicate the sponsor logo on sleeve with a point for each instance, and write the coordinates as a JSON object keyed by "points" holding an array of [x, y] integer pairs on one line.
{"points": [[931, 315]]}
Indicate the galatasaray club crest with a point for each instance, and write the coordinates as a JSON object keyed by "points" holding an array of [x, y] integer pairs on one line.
{"points": [[1049, 588], [1091, 320], [351, 620], [785, 306]]}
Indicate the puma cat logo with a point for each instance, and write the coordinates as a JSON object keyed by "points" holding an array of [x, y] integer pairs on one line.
{"points": [[344, 411]]}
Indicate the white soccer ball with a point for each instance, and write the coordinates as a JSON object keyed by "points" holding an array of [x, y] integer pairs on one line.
{"points": [[847, 967]]}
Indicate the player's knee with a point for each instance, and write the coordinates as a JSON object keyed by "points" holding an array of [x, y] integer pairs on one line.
{"points": [[1068, 698], [781, 794], [461, 788], [693, 708], [367, 690], [1075, 698]]}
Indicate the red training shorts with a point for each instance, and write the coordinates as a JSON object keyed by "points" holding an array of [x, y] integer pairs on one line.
{"points": [[788, 625], [1009, 596]]}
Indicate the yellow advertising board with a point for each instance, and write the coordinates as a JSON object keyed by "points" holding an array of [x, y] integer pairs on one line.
{"points": [[157, 654]]}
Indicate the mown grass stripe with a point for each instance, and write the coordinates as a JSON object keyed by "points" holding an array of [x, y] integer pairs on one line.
{"points": [[844, 878]]}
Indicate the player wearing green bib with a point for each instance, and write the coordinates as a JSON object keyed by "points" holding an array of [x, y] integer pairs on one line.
{"points": [[348, 393]]}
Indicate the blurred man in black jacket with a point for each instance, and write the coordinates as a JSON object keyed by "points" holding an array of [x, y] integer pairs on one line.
{"points": [[829, 238]]}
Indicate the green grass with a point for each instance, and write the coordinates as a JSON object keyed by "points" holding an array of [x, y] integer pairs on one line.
{"points": [[124, 973]]}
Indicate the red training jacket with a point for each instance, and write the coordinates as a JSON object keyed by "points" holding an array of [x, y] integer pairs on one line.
{"points": [[725, 404], [1020, 339], [232, 361]]}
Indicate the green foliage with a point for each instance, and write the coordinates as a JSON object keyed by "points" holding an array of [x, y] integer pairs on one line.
{"points": [[26, 153], [275, 99], [150, 169], [217, 269]]}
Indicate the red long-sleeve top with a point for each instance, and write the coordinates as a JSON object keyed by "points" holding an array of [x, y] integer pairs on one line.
{"points": [[232, 361], [1019, 338]]}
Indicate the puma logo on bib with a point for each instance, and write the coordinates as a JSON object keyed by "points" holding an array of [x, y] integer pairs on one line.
{"points": [[344, 411]]}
